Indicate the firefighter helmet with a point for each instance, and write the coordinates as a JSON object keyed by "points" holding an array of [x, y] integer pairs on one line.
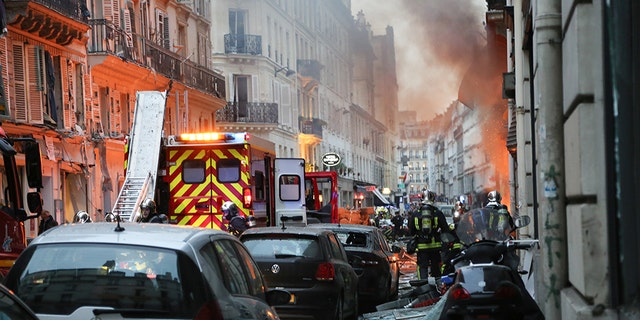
{"points": [[494, 196], [148, 204], [81, 217], [428, 196], [229, 210]]}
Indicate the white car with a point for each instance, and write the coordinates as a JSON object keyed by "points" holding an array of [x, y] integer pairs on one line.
{"points": [[141, 271]]}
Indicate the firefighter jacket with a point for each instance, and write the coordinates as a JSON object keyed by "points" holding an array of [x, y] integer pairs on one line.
{"points": [[428, 222]]}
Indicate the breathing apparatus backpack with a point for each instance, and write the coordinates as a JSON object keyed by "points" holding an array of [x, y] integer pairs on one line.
{"points": [[428, 223]]}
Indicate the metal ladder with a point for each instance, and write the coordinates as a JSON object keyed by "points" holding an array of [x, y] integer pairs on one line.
{"points": [[144, 153]]}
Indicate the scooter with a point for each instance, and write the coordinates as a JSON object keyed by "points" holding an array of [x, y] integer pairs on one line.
{"points": [[488, 284]]}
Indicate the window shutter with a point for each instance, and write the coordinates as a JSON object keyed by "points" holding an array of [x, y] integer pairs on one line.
{"points": [[19, 82], [35, 87], [107, 6], [66, 82], [116, 13], [165, 33], [86, 91], [127, 27], [4, 100]]}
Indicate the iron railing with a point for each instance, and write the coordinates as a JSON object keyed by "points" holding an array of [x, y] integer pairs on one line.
{"points": [[242, 43], [75, 9], [254, 112], [311, 126], [106, 38]]}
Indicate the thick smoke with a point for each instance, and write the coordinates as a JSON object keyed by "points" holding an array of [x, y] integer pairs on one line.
{"points": [[435, 42]]}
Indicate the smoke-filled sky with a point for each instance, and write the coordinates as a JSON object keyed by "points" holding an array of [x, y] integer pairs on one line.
{"points": [[434, 41]]}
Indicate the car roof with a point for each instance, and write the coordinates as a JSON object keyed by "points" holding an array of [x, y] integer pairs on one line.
{"points": [[347, 227], [287, 230], [144, 234]]}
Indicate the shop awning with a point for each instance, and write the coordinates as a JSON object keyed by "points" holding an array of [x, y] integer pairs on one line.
{"points": [[379, 199]]}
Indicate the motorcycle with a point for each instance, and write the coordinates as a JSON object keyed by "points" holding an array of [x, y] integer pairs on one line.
{"points": [[488, 284]]}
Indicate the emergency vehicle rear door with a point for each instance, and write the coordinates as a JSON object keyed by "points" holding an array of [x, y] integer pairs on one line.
{"points": [[289, 191]]}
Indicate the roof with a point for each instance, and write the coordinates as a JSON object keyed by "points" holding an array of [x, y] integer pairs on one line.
{"points": [[347, 227], [287, 230], [145, 234]]}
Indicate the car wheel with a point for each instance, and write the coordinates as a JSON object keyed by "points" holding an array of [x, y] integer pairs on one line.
{"points": [[356, 313], [394, 295]]}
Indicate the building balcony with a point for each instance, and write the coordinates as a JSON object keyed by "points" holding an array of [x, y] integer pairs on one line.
{"points": [[248, 112], [309, 69], [243, 44], [107, 39], [311, 126], [60, 21]]}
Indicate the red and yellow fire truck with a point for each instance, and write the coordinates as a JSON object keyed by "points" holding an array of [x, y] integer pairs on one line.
{"points": [[199, 172]]}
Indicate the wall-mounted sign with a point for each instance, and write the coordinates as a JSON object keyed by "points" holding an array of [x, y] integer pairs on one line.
{"points": [[331, 159]]}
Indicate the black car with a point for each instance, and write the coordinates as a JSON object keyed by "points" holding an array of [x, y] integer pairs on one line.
{"points": [[140, 271], [372, 259], [309, 263]]}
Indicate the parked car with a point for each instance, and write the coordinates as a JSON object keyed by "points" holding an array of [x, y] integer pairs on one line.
{"points": [[142, 271], [447, 209], [11, 307], [312, 265], [371, 257]]}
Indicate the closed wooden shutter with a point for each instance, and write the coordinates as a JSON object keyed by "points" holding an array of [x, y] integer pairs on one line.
{"points": [[19, 83], [35, 86]]}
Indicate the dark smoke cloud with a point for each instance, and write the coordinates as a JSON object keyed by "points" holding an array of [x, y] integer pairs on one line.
{"points": [[435, 40]]}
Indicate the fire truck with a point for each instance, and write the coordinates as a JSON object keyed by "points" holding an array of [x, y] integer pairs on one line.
{"points": [[321, 200], [191, 175], [12, 209]]}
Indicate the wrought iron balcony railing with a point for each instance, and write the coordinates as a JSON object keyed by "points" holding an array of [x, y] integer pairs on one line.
{"points": [[309, 68], [311, 126], [254, 112], [106, 38], [74, 9], [242, 43]]}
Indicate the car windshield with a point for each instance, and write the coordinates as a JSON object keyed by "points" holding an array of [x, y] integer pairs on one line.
{"points": [[62, 277], [283, 247]]}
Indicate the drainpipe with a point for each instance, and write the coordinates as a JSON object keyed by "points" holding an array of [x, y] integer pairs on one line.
{"points": [[550, 137]]}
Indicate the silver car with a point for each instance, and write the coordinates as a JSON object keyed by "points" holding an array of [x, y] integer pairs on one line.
{"points": [[142, 271]]}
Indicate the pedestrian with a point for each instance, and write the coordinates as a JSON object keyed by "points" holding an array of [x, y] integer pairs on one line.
{"points": [[504, 221], [398, 222], [427, 224], [46, 222]]}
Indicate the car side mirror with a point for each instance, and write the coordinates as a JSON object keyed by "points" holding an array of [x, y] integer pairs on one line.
{"points": [[34, 202]]}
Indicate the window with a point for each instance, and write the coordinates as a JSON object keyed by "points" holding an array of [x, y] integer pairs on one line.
{"points": [[228, 170], [86, 274], [193, 171], [336, 250], [162, 29], [289, 187], [231, 269]]}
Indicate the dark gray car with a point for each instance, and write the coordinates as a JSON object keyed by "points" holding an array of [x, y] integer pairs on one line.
{"points": [[141, 271]]}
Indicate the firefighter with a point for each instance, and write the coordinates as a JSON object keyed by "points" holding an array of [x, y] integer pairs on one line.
{"points": [[427, 224], [82, 217], [237, 223], [453, 248], [149, 214], [504, 221]]}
